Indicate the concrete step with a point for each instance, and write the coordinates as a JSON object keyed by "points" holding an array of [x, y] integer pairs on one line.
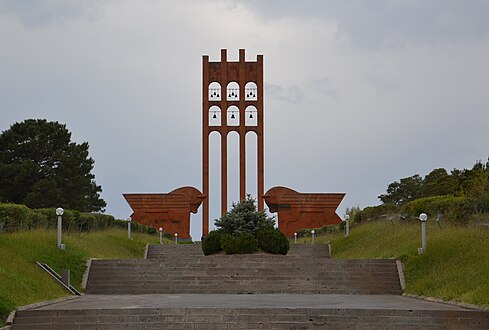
{"points": [[248, 260], [192, 250], [250, 318], [174, 249], [227, 275]]}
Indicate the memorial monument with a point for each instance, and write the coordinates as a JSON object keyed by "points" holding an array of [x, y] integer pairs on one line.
{"points": [[232, 101]]}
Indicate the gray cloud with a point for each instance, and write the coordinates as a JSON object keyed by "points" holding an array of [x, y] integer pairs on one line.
{"points": [[385, 23], [42, 13]]}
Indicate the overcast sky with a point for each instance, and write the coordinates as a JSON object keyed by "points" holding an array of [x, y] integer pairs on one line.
{"points": [[357, 93]]}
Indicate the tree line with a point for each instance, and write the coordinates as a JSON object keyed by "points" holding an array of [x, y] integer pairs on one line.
{"points": [[470, 183]]}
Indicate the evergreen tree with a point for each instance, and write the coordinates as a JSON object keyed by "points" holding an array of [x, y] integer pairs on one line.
{"points": [[41, 167], [244, 217]]}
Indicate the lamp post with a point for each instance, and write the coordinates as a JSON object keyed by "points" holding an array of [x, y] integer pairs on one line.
{"points": [[176, 238], [423, 218], [295, 238], [129, 228], [312, 234], [347, 226], [59, 213], [161, 234]]}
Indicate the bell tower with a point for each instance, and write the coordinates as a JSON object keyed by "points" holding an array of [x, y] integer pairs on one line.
{"points": [[232, 100]]}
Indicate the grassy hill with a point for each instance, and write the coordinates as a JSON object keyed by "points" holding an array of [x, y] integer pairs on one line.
{"points": [[455, 266], [21, 280]]}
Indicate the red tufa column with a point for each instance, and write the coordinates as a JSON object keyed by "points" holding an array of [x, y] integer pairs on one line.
{"points": [[205, 144]]}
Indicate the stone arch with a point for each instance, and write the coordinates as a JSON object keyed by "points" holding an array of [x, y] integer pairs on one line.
{"points": [[251, 153], [251, 91], [251, 116], [233, 140], [214, 193], [215, 116], [215, 91], [232, 91], [232, 116]]}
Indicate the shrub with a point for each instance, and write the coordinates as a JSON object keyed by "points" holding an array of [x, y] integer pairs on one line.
{"points": [[457, 208], [16, 217], [375, 212], [211, 243], [273, 241], [239, 244], [342, 225]]}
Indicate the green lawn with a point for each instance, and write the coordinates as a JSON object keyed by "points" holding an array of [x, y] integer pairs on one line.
{"points": [[455, 266], [22, 282]]}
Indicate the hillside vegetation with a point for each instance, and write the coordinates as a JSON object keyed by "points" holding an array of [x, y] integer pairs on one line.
{"points": [[455, 266], [22, 282]]}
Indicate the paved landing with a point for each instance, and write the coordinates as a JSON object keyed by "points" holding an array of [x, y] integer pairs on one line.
{"points": [[331, 301]]}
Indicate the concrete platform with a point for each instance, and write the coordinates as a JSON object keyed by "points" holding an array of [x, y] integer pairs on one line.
{"points": [[291, 301]]}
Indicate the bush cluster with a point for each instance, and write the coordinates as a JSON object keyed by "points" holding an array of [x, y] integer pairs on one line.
{"points": [[242, 243], [457, 208], [245, 230], [375, 212], [16, 217], [269, 240], [273, 241], [306, 232], [212, 243]]}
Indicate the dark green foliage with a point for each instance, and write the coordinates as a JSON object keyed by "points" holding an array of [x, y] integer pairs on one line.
{"points": [[375, 212], [241, 243], [342, 225], [273, 241], [212, 242], [457, 195], [306, 232], [438, 183], [407, 189], [244, 217], [470, 183], [457, 208], [40, 167], [245, 230], [476, 185], [14, 217]]}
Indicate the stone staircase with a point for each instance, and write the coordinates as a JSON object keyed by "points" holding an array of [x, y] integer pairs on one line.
{"points": [[249, 318], [171, 269], [176, 287]]}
